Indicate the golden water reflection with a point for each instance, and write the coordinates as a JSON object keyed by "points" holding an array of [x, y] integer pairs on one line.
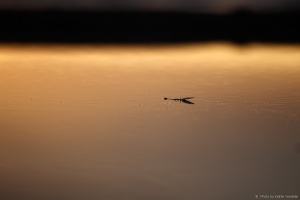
{"points": [[90, 122]]}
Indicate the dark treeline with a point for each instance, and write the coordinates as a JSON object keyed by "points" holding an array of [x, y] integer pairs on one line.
{"points": [[146, 27]]}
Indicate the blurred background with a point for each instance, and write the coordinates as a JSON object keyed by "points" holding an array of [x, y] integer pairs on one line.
{"points": [[123, 21], [203, 6]]}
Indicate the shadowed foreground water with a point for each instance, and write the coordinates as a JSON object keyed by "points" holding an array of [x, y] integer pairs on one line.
{"points": [[90, 122]]}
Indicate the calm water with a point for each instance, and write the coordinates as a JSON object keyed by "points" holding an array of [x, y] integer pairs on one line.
{"points": [[90, 122]]}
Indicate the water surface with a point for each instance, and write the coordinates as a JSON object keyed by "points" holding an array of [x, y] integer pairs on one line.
{"points": [[90, 122]]}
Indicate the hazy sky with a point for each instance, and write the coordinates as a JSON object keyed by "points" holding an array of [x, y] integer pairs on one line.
{"points": [[179, 5]]}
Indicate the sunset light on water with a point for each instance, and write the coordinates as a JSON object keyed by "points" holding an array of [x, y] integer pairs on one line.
{"points": [[92, 119]]}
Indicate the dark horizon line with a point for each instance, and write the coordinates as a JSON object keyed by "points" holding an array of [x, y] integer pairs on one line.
{"points": [[234, 13], [147, 27]]}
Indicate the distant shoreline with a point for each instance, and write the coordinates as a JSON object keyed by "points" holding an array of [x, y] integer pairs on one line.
{"points": [[146, 27]]}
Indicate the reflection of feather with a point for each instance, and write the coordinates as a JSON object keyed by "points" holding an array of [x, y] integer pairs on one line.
{"points": [[186, 101]]}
